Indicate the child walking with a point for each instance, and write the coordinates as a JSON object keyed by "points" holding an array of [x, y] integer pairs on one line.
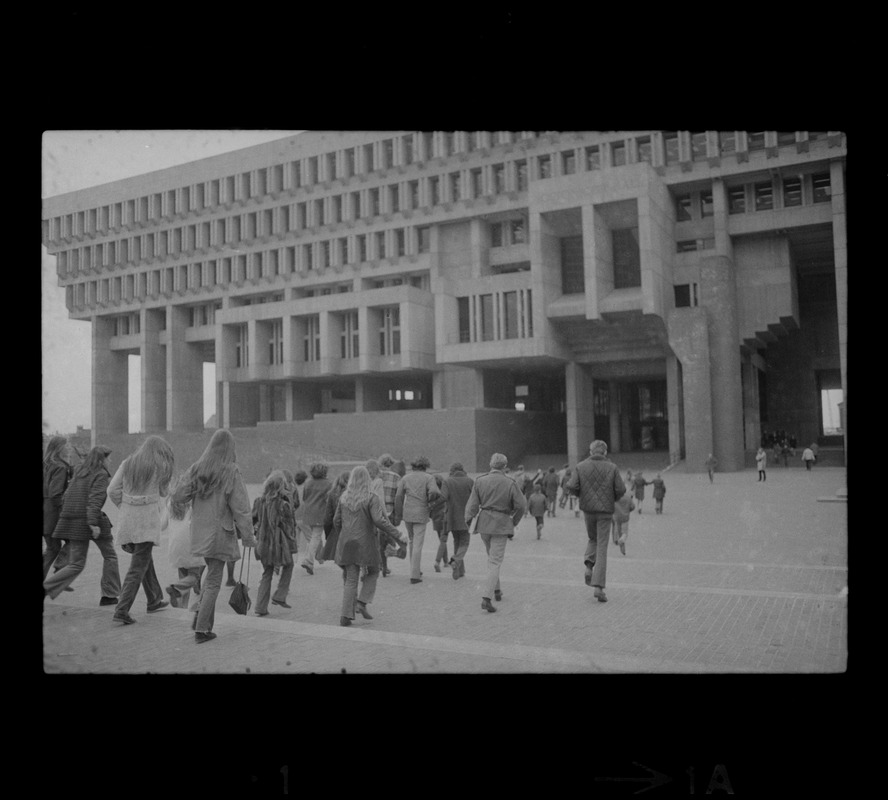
{"points": [[622, 512], [538, 505]]}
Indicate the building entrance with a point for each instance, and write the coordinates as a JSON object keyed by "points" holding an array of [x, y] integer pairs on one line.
{"points": [[644, 421]]}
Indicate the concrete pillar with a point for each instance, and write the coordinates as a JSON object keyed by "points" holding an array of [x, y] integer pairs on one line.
{"points": [[580, 413], [241, 401], [153, 356], [673, 407], [718, 290], [110, 407], [752, 428], [306, 400], [184, 375], [613, 391], [688, 331], [458, 387], [840, 258]]}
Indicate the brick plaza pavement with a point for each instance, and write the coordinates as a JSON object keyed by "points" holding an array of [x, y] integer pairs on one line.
{"points": [[734, 577]]}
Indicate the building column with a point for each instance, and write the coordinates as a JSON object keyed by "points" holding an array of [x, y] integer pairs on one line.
{"points": [[752, 427], [718, 290], [457, 387], [840, 258], [613, 392], [110, 382], [673, 407], [184, 375], [688, 331], [153, 356], [580, 412]]}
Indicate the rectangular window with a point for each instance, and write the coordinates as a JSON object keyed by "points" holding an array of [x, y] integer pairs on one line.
{"points": [[792, 192], [349, 335], [435, 191], [764, 196], [388, 152], [737, 200], [670, 146], [394, 199], [477, 183], [400, 242], [510, 315], [362, 248], [380, 244], [706, 207], [785, 137], [821, 188], [698, 146], [499, 178], [413, 192], [545, 166], [686, 246], [568, 162], [683, 208], [311, 341], [643, 146], [462, 304], [572, 268], [276, 343], [521, 169], [593, 158], [241, 353], [390, 331], [496, 234], [755, 140], [517, 231], [408, 149], [627, 258], [423, 235], [486, 320], [618, 154], [727, 142], [683, 295]]}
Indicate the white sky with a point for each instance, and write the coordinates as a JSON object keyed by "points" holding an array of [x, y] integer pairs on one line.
{"points": [[75, 160]]}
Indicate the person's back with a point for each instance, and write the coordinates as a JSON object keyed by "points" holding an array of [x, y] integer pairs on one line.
{"points": [[537, 504], [597, 482], [623, 508]]}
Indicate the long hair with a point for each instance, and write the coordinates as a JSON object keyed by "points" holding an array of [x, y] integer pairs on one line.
{"points": [[55, 449], [275, 499], [153, 460], [216, 468], [372, 468], [318, 470], [357, 492], [95, 458]]}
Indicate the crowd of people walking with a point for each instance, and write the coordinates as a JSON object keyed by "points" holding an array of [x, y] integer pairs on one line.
{"points": [[306, 519]]}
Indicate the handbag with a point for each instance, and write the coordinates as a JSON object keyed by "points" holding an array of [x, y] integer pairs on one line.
{"points": [[240, 595]]}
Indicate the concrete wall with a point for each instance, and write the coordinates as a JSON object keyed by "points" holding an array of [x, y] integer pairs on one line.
{"points": [[516, 433], [766, 289]]}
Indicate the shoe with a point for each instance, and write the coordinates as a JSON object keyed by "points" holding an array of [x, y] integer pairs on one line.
{"points": [[361, 608], [200, 638], [416, 580], [158, 606], [282, 603], [174, 594], [319, 561], [126, 619], [261, 613], [623, 548], [455, 567], [487, 605], [497, 595], [588, 576], [345, 622], [437, 567], [68, 589], [194, 621], [600, 595], [231, 582], [402, 551], [308, 569], [108, 601], [386, 572]]}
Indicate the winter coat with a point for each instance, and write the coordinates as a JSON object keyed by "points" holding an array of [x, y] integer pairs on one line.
{"points": [[275, 532], [82, 507], [761, 459], [415, 490], [498, 503], [456, 489], [808, 454], [438, 512], [550, 485], [638, 484], [142, 516], [218, 520], [623, 508], [356, 531], [314, 500], [537, 504], [659, 488], [597, 482], [56, 475]]}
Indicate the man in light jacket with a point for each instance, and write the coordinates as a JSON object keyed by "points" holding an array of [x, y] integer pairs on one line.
{"points": [[415, 492], [499, 504], [598, 483]]}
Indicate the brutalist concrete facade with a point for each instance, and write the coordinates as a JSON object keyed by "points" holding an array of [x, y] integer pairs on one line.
{"points": [[641, 287]]}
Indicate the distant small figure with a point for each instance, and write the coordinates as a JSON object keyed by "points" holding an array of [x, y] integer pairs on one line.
{"points": [[761, 461], [710, 466], [622, 513], [659, 493], [808, 457], [550, 484], [638, 484], [537, 506]]}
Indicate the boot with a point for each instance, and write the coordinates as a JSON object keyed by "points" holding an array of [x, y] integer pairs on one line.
{"points": [[487, 605]]}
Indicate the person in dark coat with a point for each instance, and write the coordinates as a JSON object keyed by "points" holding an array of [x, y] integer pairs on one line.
{"points": [[638, 484], [456, 489], [659, 493], [56, 475], [550, 484], [331, 535], [275, 541], [437, 513], [314, 504], [358, 514], [598, 483], [82, 520], [537, 506]]}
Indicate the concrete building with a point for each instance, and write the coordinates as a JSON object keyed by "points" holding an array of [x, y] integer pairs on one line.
{"points": [[455, 293]]}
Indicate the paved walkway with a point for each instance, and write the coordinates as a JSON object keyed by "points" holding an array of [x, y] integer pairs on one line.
{"points": [[735, 576]]}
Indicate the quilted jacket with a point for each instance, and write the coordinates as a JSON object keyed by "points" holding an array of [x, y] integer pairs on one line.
{"points": [[598, 484]]}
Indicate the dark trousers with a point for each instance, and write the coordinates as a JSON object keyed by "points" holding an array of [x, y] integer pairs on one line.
{"points": [[441, 555], [140, 573], [598, 529], [77, 550]]}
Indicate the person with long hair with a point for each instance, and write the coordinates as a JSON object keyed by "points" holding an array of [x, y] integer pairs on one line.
{"points": [[56, 476], [220, 511], [358, 514], [138, 489], [275, 541], [332, 537], [82, 520], [314, 504]]}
